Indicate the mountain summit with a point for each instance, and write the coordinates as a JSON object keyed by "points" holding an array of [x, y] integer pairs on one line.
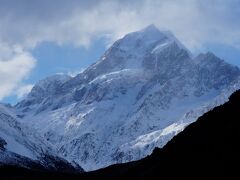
{"points": [[143, 91]]}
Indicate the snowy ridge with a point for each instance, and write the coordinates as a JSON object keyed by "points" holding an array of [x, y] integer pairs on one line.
{"points": [[22, 146], [144, 90]]}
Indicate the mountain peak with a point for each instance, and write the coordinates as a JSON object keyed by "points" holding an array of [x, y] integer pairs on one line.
{"points": [[208, 57], [143, 39], [45, 88], [148, 38], [152, 33], [150, 28], [54, 78]]}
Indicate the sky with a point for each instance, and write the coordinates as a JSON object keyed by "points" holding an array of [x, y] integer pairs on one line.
{"points": [[42, 38]]}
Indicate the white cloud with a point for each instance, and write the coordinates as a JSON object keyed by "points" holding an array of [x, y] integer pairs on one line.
{"points": [[23, 90], [15, 65], [74, 73]]}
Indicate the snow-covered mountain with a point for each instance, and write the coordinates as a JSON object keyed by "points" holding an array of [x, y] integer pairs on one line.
{"points": [[144, 90], [21, 146]]}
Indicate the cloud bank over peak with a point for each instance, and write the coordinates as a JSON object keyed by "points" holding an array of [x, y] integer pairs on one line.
{"points": [[195, 22], [25, 24]]}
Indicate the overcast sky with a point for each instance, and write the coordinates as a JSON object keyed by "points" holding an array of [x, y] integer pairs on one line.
{"points": [[40, 37]]}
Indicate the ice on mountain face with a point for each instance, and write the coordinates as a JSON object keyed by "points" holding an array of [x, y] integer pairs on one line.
{"points": [[144, 144], [144, 90]]}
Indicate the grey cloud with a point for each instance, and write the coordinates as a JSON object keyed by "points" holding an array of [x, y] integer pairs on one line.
{"points": [[195, 22]]}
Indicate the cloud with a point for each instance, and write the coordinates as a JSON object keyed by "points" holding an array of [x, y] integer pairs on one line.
{"points": [[25, 24], [23, 90], [74, 73], [195, 22], [15, 65]]}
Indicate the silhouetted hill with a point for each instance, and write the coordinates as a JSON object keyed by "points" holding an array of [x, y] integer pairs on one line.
{"points": [[206, 149]]}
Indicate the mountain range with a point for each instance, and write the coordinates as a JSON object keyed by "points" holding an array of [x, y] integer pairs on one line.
{"points": [[206, 149], [145, 89]]}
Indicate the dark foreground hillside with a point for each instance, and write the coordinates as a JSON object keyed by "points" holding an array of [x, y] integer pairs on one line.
{"points": [[206, 149]]}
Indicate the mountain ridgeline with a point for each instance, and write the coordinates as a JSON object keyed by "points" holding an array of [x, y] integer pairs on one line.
{"points": [[145, 89]]}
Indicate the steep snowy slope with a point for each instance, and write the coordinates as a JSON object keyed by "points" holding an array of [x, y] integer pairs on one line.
{"points": [[206, 149], [144, 90], [21, 146]]}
